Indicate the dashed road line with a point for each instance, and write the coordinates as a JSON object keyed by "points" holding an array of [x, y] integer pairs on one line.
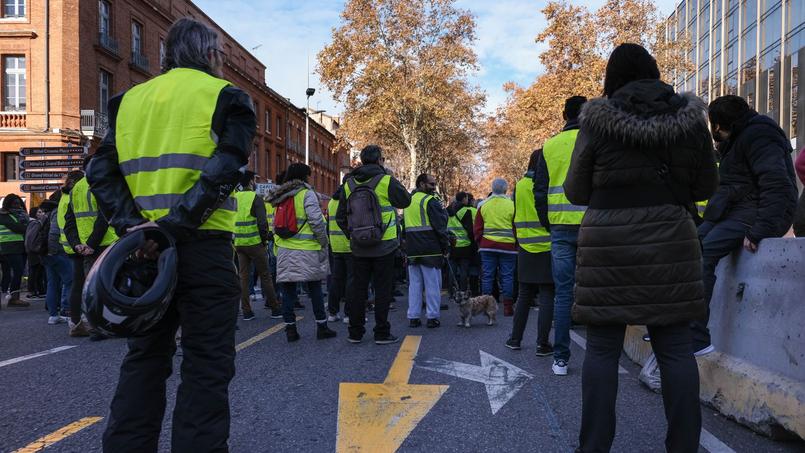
{"points": [[251, 341], [60, 434], [582, 342], [35, 355], [712, 444]]}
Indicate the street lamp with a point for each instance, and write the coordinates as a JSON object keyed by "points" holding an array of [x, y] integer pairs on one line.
{"points": [[309, 92]]}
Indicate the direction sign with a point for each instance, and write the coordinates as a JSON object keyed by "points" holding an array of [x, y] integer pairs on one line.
{"points": [[51, 163], [39, 187], [29, 175], [52, 151]]}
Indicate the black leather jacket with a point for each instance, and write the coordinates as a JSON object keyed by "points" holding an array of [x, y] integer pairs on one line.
{"points": [[234, 122]]}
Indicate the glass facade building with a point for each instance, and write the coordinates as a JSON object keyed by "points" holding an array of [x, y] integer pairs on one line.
{"points": [[752, 48]]}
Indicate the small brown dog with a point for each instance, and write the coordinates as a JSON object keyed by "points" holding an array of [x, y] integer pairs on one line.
{"points": [[471, 306]]}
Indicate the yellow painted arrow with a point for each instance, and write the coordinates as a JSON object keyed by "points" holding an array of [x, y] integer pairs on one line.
{"points": [[377, 418]]}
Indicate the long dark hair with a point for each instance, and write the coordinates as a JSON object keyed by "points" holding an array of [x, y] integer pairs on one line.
{"points": [[627, 63]]}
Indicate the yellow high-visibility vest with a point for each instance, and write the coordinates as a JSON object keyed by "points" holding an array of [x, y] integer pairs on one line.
{"points": [[64, 202], [557, 152], [498, 214], [454, 226], [338, 240], [304, 239], [531, 235], [246, 231], [389, 215], [85, 209]]}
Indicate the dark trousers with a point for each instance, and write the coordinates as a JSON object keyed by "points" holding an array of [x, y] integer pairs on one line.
{"points": [[718, 240], [255, 255], [13, 266], [341, 282], [680, 387], [380, 272], [290, 296], [527, 292], [76, 287], [461, 270], [37, 283], [204, 306]]}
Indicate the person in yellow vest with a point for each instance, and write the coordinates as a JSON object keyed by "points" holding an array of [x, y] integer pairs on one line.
{"points": [[426, 244], [533, 264], [464, 251], [172, 158], [562, 219], [271, 245], [13, 223], [494, 228], [251, 235], [340, 282], [302, 258], [89, 235]]}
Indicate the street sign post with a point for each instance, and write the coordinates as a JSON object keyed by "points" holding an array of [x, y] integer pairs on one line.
{"points": [[53, 151], [35, 175], [29, 188], [52, 163]]}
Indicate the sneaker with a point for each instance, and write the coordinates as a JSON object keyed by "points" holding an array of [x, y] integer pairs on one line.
{"points": [[53, 320], [559, 367], [392, 307], [78, 330], [513, 344], [414, 323], [544, 350], [388, 339], [345, 320], [704, 351], [333, 318], [646, 337], [434, 323], [248, 315], [276, 313], [354, 340], [18, 303]]}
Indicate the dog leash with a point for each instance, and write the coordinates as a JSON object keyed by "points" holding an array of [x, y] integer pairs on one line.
{"points": [[453, 280]]}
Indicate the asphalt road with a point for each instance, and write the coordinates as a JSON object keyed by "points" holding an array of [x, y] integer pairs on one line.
{"points": [[285, 397]]}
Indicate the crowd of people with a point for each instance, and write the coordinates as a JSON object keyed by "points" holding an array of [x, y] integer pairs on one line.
{"points": [[601, 230]]}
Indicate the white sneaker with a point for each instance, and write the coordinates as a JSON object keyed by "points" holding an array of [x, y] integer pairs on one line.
{"points": [[704, 351], [345, 320], [333, 318], [559, 367], [53, 320]]}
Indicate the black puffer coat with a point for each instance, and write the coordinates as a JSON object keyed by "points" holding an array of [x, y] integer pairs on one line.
{"points": [[640, 158]]}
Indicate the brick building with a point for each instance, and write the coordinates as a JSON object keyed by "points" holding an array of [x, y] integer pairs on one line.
{"points": [[61, 60]]}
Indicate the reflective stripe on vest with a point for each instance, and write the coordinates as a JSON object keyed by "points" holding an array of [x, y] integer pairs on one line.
{"points": [[498, 214], [531, 236], [64, 202], [246, 231], [388, 213], [304, 239], [420, 239], [557, 152], [454, 226], [164, 138], [6, 235], [86, 212], [461, 212], [338, 240], [270, 209]]}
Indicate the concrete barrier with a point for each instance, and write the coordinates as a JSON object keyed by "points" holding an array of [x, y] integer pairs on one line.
{"points": [[757, 322]]}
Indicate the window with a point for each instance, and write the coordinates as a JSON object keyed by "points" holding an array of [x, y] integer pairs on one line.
{"points": [[136, 38], [11, 163], [105, 86], [13, 8], [749, 13], [257, 114], [795, 14], [279, 127], [161, 53], [14, 83], [268, 122], [104, 18]]}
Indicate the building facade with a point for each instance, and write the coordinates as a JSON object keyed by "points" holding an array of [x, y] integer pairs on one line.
{"points": [[61, 61], [751, 48]]}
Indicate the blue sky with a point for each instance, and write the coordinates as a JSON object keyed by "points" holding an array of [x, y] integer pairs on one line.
{"points": [[288, 31]]}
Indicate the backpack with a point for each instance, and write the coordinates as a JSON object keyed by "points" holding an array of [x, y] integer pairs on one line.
{"points": [[364, 214], [285, 225], [36, 237]]}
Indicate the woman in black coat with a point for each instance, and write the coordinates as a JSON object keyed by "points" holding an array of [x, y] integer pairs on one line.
{"points": [[643, 156]]}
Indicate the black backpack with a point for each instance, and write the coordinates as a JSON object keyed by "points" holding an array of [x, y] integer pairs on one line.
{"points": [[36, 237], [364, 214]]}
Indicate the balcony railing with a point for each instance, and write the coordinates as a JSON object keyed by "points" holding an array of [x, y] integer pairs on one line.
{"points": [[94, 123], [140, 61], [12, 120], [108, 42]]}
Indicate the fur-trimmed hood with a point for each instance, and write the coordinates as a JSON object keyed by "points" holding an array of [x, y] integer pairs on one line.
{"points": [[646, 113], [287, 190]]}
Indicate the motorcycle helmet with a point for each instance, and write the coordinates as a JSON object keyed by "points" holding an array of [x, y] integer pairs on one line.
{"points": [[126, 295]]}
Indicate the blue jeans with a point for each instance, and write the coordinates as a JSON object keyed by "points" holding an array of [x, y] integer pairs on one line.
{"points": [[290, 297], [59, 270], [563, 260], [494, 265]]}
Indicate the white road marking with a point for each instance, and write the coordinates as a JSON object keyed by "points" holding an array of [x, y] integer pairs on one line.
{"points": [[712, 444], [33, 356], [582, 342], [501, 379]]}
